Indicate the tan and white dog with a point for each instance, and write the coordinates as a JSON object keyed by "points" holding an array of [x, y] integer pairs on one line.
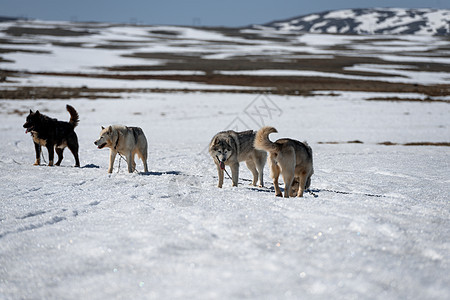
{"points": [[127, 141], [290, 158]]}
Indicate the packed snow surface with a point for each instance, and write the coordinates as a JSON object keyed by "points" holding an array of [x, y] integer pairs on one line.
{"points": [[378, 228]]}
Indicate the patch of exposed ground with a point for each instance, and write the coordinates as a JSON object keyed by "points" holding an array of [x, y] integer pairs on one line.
{"points": [[397, 99], [22, 93], [292, 61], [63, 32], [442, 144], [288, 85], [281, 85]]}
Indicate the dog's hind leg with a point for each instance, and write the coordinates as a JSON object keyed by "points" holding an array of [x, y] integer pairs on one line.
{"points": [[251, 166], [51, 153], [303, 184], [133, 161], [37, 149], [288, 178], [143, 157], [275, 174], [130, 162], [294, 187], [74, 149], [260, 162], [59, 152], [144, 161]]}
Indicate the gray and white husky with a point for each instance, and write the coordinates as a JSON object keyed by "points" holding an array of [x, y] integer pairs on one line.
{"points": [[127, 141], [230, 148]]}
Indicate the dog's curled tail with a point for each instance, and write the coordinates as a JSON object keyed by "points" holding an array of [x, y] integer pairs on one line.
{"points": [[262, 141], [74, 118]]}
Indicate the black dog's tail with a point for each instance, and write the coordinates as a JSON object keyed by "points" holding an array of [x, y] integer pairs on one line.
{"points": [[74, 118]]}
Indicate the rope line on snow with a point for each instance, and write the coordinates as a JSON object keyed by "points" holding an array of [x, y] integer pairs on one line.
{"points": [[120, 159]]}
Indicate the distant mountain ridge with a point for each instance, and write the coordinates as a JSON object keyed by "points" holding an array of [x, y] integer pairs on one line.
{"points": [[425, 21], [8, 19]]}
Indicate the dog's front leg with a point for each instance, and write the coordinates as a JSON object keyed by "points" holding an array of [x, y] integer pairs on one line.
{"points": [[51, 154], [112, 158], [37, 148], [235, 173], [220, 173]]}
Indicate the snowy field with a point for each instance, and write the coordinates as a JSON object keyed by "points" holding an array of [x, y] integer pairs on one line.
{"points": [[378, 228]]}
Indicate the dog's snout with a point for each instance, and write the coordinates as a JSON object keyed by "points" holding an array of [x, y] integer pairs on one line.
{"points": [[95, 143]]}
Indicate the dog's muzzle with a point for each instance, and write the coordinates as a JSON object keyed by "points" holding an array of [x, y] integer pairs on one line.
{"points": [[27, 127], [99, 146], [221, 163]]}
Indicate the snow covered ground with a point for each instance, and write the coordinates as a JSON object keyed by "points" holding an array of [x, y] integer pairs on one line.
{"points": [[378, 228]]}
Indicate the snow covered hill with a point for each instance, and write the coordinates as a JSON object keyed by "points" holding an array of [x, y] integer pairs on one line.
{"points": [[424, 21]]}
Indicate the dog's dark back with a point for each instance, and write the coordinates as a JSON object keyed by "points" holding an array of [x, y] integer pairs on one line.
{"points": [[50, 129]]}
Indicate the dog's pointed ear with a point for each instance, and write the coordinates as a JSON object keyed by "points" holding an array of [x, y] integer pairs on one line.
{"points": [[103, 127], [31, 111], [109, 128], [37, 112]]}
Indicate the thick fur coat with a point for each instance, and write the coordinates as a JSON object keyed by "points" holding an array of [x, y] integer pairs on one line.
{"points": [[127, 141], [290, 158], [230, 148], [54, 135]]}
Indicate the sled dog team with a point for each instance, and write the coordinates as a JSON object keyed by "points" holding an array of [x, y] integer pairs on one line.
{"points": [[290, 158]]}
